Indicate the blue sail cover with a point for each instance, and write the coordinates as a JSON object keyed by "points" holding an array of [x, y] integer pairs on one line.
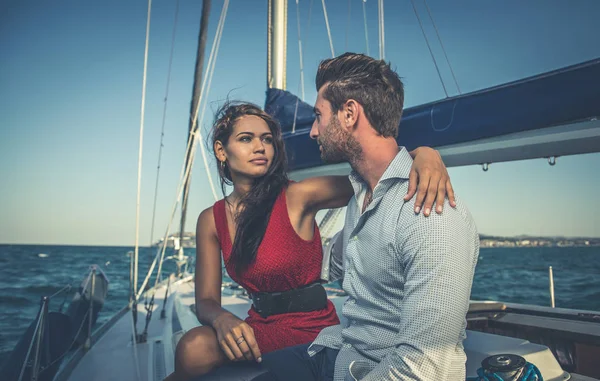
{"points": [[555, 98]]}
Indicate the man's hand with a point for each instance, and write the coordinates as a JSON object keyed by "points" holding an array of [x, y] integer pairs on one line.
{"points": [[429, 179]]}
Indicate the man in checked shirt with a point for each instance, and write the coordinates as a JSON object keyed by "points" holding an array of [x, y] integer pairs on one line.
{"points": [[408, 277]]}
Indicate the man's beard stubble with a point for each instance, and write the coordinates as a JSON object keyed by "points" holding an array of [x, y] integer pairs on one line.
{"points": [[338, 145]]}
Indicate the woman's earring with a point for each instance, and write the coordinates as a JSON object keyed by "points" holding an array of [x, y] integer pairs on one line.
{"points": [[223, 165]]}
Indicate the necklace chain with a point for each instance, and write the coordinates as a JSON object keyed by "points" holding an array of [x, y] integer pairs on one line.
{"points": [[232, 209]]}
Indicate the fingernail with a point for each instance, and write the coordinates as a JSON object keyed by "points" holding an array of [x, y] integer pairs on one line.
{"points": [[417, 209], [427, 211], [259, 359], [439, 209]]}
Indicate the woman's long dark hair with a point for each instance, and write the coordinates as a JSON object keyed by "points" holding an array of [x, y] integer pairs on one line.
{"points": [[258, 203]]}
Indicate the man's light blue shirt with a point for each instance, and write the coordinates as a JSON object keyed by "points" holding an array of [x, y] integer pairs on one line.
{"points": [[408, 278]]}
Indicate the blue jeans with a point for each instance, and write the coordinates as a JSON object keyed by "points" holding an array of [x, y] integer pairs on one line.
{"points": [[294, 364]]}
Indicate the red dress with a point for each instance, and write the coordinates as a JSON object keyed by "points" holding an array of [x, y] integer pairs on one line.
{"points": [[284, 261]]}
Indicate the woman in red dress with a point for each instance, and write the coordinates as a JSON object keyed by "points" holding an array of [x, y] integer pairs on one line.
{"points": [[266, 231]]}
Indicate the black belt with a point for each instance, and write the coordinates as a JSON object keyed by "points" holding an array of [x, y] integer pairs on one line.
{"points": [[304, 299]]}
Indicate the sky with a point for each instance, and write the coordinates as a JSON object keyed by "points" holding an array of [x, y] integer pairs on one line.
{"points": [[71, 88]]}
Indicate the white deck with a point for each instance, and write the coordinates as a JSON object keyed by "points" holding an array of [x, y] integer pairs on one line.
{"points": [[112, 357]]}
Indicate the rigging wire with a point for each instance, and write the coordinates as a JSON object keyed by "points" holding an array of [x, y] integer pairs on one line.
{"points": [[135, 352], [364, 7], [301, 57], [206, 88], [140, 151], [348, 24], [328, 28], [310, 7], [269, 38], [380, 13], [191, 146], [301, 84], [442, 45], [182, 176], [429, 47], [162, 130], [139, 185], [38, 326]]}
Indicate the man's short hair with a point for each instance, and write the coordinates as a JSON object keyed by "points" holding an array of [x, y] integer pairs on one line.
{"points": [[370, 82]]}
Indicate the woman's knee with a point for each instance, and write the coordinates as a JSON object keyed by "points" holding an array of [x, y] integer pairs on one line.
{"points": [[197, 352]]}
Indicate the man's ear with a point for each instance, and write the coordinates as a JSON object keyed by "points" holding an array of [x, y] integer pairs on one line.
{"points": [[350, 113]]}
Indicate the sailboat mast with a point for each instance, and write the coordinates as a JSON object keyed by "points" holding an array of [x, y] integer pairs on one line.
{"points": [[196, 95], [277, 44]]}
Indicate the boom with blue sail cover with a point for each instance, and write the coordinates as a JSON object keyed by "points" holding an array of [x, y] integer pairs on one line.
{"points": [[564, 97]]}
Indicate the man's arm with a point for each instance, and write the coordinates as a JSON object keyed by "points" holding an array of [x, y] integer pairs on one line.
{"points": [[439, 255], [333, 262]]}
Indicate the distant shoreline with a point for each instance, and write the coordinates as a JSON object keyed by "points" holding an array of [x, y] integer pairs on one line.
{"points": [[486, 241], [536, 241]]}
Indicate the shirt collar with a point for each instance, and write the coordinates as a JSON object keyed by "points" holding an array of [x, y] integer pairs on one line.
{"points": [[399, 168]]}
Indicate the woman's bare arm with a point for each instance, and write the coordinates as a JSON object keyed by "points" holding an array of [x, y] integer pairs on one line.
{"points": [[429, 180], [323, 192], [228, 327], [208, 270]]}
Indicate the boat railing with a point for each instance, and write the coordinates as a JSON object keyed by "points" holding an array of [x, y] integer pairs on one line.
{"points": [[33, 358], [551, 286], [90, 313], [36, 341]]}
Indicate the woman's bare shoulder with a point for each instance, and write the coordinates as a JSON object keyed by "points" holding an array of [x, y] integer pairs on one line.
{"points": [[206, 221]]}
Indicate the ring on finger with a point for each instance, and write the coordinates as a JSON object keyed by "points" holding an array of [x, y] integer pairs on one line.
{"points": [[240, 340]]}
